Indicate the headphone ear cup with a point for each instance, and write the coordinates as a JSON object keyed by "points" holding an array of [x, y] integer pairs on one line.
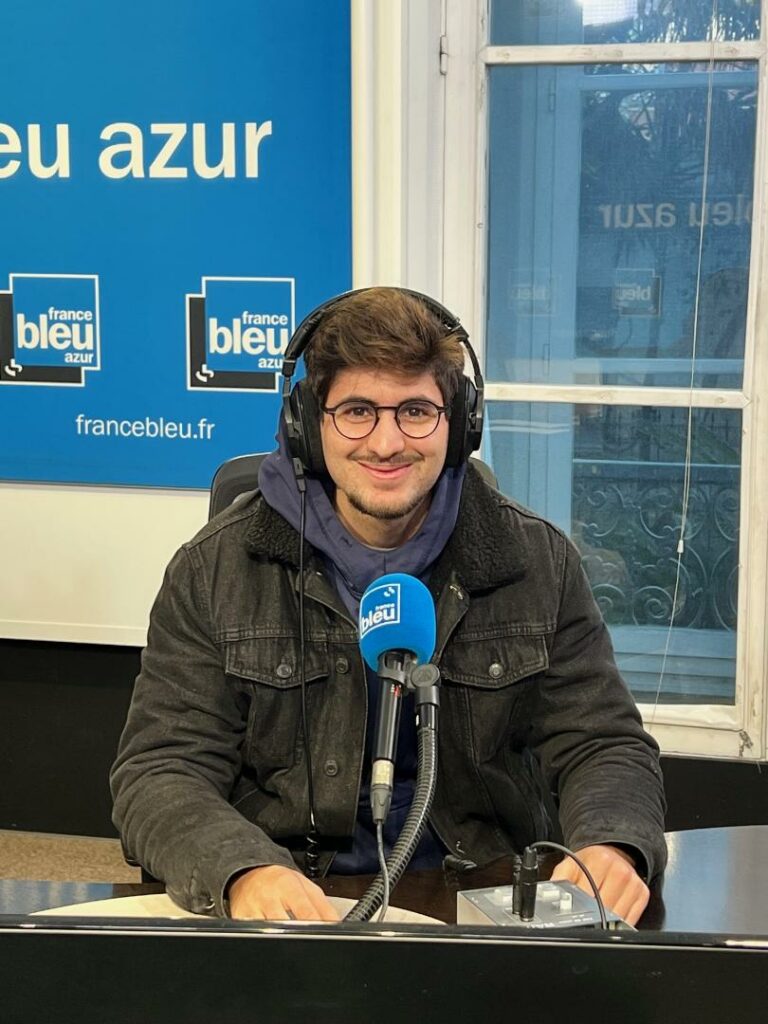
{"points": [[460, 435], [474, 433], [458, 426], [305, 443]]}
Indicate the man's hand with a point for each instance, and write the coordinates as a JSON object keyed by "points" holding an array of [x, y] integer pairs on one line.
{"points": [[275, 893], [622, 890]]}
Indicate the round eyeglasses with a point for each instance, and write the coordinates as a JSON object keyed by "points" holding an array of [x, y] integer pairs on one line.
{"points": [[355, 420]]}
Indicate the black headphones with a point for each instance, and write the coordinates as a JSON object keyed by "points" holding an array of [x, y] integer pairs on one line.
{"points": [[301, 411]]}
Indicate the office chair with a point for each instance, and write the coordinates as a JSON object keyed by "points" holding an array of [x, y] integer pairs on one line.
{"points": [[233, 478]]}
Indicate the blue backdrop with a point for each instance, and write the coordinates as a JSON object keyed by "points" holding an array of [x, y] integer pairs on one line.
{"points": [[175, 196]]}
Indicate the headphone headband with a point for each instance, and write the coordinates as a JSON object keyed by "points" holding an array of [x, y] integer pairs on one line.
{"points": [[302, 413]]}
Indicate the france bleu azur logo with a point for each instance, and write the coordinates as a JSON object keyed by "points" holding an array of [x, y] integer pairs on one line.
{"points": [[49, 329], [238, 329], [380, 607]]}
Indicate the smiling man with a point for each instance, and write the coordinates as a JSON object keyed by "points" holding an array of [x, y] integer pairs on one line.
{"points": [[384, 458], [539, 736]]}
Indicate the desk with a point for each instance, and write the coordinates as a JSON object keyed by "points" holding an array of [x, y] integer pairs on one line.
{"points": [[191, 972], [716, 882]]}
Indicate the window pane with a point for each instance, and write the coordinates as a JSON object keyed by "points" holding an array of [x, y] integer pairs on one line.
{"points": [[595, 224], [613, 477], [521, 22]]}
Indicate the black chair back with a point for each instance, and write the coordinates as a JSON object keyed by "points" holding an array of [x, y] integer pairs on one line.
{"points": [[233, 478]]}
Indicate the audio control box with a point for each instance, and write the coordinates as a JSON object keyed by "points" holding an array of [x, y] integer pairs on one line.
{"points": [[558, 905]]}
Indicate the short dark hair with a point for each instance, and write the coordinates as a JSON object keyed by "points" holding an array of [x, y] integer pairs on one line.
{"points": [[384, 329]]}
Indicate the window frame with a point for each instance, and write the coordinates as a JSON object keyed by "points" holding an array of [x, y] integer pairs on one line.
{"points": [[741, 730]]}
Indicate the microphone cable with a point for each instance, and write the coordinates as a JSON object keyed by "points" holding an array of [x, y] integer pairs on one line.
{"points": [[546, 844], [384, 870], [311, 855], [415, 823]]}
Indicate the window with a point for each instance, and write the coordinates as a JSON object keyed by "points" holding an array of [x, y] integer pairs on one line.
{"points": [[614, 279]]}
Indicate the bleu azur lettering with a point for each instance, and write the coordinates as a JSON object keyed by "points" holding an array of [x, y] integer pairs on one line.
{"points": [[378, 617], [130, 151], [633, 293], [253, 341], [726, 212], [59, 329]]}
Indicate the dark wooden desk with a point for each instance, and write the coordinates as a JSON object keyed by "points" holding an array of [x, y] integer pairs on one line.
{"points": [[716, 882], [91, 970]]}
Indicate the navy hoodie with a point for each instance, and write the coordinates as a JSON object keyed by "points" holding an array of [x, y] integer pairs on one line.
{"points": [[352, 566]]}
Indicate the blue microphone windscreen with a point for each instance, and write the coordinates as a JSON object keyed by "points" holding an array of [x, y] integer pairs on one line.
{"points": [[397, 613]]}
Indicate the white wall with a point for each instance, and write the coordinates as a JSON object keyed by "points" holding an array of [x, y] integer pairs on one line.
{"points": [[83, 564]]}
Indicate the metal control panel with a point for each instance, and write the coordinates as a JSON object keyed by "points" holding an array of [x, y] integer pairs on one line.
{"points": [[558, 905]]}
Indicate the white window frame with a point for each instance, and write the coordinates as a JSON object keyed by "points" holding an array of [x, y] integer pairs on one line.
{"points": [[741, 730]]}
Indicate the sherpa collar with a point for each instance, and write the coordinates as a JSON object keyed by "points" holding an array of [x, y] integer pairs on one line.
{"points": [[483, 551]]}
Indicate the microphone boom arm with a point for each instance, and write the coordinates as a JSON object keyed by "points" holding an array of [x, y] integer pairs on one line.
{"points": [[424, 680]]}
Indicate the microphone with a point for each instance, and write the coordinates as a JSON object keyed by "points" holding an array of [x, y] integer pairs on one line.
{"points": [[397, 631]]}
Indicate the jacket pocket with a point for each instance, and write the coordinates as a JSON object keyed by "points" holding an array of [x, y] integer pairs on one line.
{"points": [[485, 677], [275, 660], [268, 670]]}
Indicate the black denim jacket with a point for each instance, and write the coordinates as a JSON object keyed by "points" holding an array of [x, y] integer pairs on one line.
{"points": [[210, 776]]}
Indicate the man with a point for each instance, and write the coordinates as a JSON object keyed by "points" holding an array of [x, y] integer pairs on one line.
{"points": [[211, 782]]}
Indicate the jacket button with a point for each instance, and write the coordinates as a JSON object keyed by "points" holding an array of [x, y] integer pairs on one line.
{"points": [[284, 671], [331, 768], [495, 670], [342, 666]]}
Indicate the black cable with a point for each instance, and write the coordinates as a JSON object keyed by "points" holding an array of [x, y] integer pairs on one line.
{"points": [[383, 869], [413, 829], [311, 855], [596, 892]]}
